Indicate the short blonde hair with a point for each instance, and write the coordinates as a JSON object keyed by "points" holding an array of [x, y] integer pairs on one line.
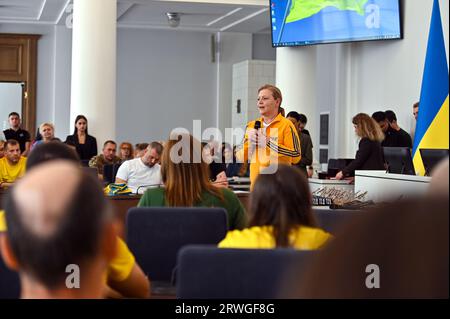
{"points": [[41, 127]]}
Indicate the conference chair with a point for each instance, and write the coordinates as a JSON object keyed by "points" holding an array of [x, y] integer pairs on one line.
{"points": [[9, 282], [109, 172], [84, 163], [335, 165], [208, 272], [156, 234], [331, 220], [91, 170]]}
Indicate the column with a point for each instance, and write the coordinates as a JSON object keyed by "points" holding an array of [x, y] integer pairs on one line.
{"points": [[93, 87], [296, 78]]}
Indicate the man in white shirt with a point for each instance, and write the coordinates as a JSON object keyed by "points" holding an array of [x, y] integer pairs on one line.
{"points": [[141, 173]]}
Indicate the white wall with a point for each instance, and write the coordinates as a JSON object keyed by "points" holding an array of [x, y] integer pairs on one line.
{"points": [[233, 48], [262, 47], [63, 67], [11, 101], [165, 80], [367, 76]]}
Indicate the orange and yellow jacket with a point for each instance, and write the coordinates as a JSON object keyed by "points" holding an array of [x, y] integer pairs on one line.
{"points": [[282, 147]]}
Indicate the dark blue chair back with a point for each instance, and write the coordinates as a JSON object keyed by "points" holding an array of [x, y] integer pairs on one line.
{"points": [[210, 272], [9, 282], [156, 234], [334, 219], [109, 172]]}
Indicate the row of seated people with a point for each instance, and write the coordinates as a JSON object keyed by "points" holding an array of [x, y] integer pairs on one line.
{"points": [[138, 173], [186, 184], [280, 216]]}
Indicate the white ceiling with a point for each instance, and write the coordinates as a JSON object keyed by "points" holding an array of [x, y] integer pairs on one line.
{"points": [[251, 16]]}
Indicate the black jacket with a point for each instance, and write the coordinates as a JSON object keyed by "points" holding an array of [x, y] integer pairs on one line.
{"points": [[87, 150], [368, 157]]}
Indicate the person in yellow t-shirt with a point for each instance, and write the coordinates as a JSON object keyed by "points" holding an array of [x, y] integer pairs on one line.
{"points": [[12, 165], [280, 214]]}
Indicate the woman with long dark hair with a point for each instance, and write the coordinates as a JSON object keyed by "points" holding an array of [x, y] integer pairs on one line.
{"points": [[280, 214], [186, 183], [85, 144]]}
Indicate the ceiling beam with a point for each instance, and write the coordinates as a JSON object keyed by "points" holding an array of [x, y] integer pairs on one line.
{"points": [[263, 3]]}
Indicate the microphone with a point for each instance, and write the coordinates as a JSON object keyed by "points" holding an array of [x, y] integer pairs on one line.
{"points": [[257, 126]]}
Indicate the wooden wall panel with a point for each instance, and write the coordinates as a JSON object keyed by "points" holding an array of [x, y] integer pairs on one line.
{"points": [[18, 63]]}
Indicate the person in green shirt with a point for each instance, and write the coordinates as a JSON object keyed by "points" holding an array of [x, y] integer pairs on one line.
{"points": [[186, 183]]}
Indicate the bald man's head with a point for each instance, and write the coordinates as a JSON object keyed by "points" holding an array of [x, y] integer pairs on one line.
{"points": [[56, 215]]}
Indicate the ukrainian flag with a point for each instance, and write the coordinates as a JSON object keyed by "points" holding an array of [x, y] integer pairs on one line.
{"points": [[432, 128]]}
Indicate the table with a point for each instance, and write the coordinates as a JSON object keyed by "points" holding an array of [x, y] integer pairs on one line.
{"points": [[381, 186], [122, 203]]}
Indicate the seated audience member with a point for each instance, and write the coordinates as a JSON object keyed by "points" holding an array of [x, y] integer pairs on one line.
{"points": [[2, 148], [306, 145], [126, 151], [232, 167], [12, 165], [403, 137], [186, 183], [400, 250], [140, 149], [47, 133], [280, 214], [108, 156], [142, 172], [392, 138], [86, 145], [123, 275], [47, 234], [216, 165], [370, 154]]}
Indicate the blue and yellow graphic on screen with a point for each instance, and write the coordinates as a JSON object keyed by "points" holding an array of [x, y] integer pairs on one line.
{"points": [[305, 22], [432, 128]]}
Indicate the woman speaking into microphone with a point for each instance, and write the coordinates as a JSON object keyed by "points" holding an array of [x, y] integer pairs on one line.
{"points": [[271, 139]]}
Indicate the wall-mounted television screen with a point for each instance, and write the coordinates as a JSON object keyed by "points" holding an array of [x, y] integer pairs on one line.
{"points": [[306, 22]]}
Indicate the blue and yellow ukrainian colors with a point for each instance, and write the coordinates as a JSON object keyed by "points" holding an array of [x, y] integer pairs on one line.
{"points": [[432, 130]]}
